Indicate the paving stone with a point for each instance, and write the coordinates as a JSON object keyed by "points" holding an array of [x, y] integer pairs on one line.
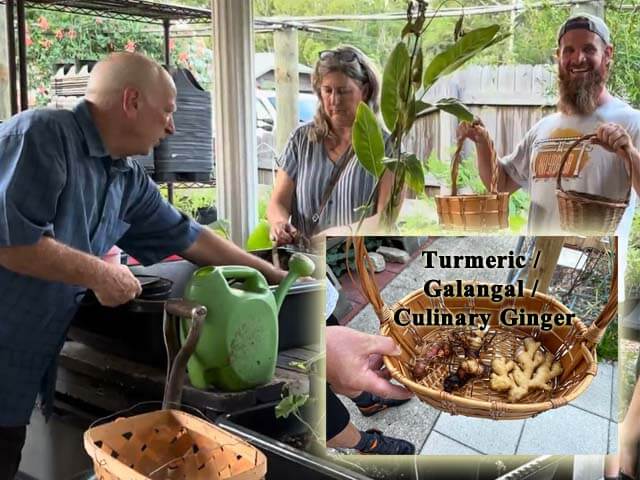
{"points": [[438, 444], [597, 398], [613, 437], [497, 437], [564, 431]]}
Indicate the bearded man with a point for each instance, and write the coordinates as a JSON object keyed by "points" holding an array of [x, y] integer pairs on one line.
{"points": [[585, 106]]}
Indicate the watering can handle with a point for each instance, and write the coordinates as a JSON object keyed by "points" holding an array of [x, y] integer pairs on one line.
{"points": [[177, 357], [253, 279]]}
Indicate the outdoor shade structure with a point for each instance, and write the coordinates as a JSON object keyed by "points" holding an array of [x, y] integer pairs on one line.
{"points": [[240, 212]]}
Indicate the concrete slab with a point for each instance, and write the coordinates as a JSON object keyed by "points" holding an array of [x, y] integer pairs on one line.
{"points": [[438, 444], [411, 421], [498, 437], [597, 398], [615, 396], [613, 437], [565, 431]]}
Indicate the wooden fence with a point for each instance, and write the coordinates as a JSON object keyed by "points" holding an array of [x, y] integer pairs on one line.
{"points": [[509, 100]]}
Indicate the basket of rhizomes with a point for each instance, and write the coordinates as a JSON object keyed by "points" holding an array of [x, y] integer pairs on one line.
{"points": [[499, 372], [473, 212], [585, 213]]}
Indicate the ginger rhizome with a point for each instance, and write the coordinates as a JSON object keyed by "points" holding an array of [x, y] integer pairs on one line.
{"points": [[532, 370]]}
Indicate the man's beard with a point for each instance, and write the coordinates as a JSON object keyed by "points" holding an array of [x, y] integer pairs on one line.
{"points": [[579, 96]]}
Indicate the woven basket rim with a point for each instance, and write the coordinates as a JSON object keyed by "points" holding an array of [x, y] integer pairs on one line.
{"points": [[473, 196], [572, 195]]}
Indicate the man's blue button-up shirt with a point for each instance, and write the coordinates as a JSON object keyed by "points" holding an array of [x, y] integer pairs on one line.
{"points": [[57, 179]]}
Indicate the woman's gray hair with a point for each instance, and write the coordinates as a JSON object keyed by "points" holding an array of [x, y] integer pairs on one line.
{"points": [[360, 70]]}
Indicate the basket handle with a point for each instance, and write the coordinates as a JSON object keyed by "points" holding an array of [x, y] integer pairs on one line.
{"points": [[575, 143], [595, 331], [368, 285], [457, 158], [177, 357]]}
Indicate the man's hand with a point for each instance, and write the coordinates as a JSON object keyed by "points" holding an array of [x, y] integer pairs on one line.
{"points": [[116, 285], [283, 233], [613, 138], [354, 361], [473, 131]]}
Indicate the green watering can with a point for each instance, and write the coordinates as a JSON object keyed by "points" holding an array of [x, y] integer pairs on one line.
{"points": [[238, 345]]}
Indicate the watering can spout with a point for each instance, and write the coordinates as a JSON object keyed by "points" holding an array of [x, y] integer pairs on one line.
{"points": [[299, 266]]}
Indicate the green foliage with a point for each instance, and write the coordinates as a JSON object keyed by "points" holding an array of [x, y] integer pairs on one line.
{"points": [[460, 52], [54, 38], [467, 173], [624, 79], [632, 273], [368, 142], [534, 41], [290, 405], [405, 75], [393, 80], [190, 200], [608, 346]]}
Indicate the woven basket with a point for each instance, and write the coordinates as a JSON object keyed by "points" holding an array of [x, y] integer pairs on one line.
{"points": [[170, 443], [585, 213], [473, 212], [574, 346]]}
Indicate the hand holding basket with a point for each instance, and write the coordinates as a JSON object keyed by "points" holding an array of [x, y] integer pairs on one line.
{"points": [[585, 213]]}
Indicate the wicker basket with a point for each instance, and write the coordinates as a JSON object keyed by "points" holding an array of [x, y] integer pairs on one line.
{"points": [[585, 213], [473, 212], [574, 346], [170, 443]]}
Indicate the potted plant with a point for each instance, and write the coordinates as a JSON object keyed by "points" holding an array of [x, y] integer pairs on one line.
{"points": [[405, 82]]}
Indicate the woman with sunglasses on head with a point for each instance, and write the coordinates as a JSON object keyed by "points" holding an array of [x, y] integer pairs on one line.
{"points": [[321, 184]]}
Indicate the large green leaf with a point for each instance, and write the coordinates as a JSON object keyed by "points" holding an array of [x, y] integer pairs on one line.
{"points": [[368, 142], [395, 72], [458, 53], [454, 107], [414, 174]]}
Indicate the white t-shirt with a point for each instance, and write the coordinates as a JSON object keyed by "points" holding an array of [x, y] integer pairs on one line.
{"points": [[590, 168]]}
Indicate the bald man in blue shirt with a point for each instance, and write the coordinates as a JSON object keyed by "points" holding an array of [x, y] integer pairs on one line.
{"points": [[68, 193]]}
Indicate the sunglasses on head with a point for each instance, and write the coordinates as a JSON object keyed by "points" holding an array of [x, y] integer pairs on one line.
{"points": [[342, 55]]}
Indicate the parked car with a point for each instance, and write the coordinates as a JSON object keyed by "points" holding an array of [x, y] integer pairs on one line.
{"points": [[307, 104], [266, 123]]}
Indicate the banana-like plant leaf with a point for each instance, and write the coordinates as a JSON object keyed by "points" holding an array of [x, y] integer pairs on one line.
{"points": [[422, 106], [418, 65], [390, 163], [414, 174], [411, 114], [455, 107], [393, 78], [367, 139], [457, 54]]}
